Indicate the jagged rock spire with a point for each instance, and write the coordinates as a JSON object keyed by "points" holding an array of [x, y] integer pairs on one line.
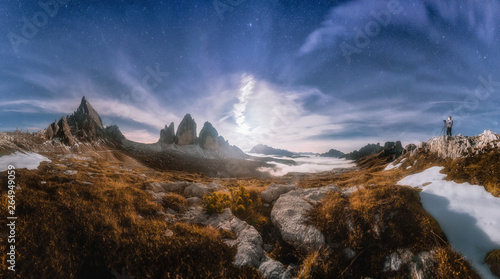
{"points": [[208, 137], [186, 132]]}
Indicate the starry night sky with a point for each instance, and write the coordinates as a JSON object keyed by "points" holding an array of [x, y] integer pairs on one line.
{"points": [[300, 75]]}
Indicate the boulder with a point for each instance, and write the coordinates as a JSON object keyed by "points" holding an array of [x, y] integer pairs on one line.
{"points": [[208, 138], [274, 191], [186, 132], [248, 240], [167, 135], [289, 216], [272, 269]]}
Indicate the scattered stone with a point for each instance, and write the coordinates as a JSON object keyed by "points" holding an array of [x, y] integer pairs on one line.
{"points": [[169, 233], [70, 172]]}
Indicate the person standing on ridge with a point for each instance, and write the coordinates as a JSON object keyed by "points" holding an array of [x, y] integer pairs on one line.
{"points": [[448, 124]]}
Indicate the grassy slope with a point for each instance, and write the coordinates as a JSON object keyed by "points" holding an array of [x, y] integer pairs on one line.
{"points": [[69, 228]]}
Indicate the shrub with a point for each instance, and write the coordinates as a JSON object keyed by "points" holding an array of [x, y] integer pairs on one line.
{"points": [[240, 199], [216, 202]]}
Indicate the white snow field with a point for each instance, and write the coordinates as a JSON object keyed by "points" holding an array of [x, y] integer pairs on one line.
{"points": [[21, 160], [468, 214]]}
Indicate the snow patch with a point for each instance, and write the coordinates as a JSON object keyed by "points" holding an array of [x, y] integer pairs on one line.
{"points": [[21, 160], [393, 165], [468, 214]]}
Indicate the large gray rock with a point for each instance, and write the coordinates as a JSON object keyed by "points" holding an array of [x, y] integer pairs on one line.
{"points": [[167, 135], [186, 132], [248, 240], [289, 216], [274, 191], [209, 137], [272, 269]]}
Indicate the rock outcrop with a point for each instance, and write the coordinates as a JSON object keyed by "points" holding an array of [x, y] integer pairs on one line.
{"points": [[459, 146], [289, 216], [114, 133], [248, 240], [186, 132], [209, 137], [367, 150], [393, 149], [167, 135], [64, 132]]}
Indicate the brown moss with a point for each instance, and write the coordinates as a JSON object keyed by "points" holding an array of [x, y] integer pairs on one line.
{"points": [[450, 264], [175, 202], [493, 259]]}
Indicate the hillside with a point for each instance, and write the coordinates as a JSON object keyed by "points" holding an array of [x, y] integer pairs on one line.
{"points": [[95, 204]]}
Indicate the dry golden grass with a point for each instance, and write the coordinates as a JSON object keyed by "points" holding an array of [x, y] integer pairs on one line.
{"points": [[86, 225], [451, 265], [482, 169]]}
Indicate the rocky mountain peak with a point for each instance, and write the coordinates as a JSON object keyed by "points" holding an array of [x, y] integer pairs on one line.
{"points": [[84, 124], [186, 132], [86, 112], [460, 146], [167, 135], [208, 137]]}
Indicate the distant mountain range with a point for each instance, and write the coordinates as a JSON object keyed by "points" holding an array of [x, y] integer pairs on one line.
{"points": [[267, 150], [83, 131]]}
